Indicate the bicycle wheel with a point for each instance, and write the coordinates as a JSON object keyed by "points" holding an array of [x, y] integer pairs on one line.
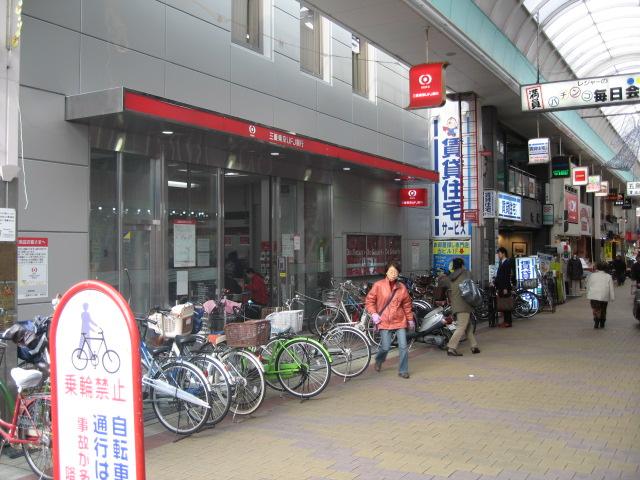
{"points": [[219, 387], [35, 424], [268, 355], [327, 318], [349, 350], [303, 368], [247, 380], [374, 335], [111, 361], [175, 388], [79, 359], [526, 304]]}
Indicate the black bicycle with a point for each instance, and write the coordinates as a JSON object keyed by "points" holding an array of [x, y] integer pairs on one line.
{"points": [[81, 356]]}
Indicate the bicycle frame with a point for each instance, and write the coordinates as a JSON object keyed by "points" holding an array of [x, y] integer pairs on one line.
{"points": [[290, 368], [8, 430]]}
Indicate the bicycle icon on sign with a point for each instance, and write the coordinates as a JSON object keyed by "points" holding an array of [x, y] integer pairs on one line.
{"points": [[81, 357]]}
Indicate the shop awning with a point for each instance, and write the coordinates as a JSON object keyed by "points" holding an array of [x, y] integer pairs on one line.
{"points": [[115, 103]]}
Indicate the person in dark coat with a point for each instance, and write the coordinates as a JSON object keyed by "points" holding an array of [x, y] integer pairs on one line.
{"points": [[575, 272], [635, 270], [620, 267], [503, 281]]}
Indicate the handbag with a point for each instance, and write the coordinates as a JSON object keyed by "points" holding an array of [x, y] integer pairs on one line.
{"points": [[504, 304], [470, 293]]}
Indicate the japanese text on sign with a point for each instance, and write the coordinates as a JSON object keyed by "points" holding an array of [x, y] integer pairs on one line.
{"points": [[509, 206], [33, 266], [444, 251], [633, 189]]}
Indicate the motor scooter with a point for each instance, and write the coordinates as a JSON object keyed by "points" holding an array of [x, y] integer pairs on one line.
{"points": [[434, 326]]}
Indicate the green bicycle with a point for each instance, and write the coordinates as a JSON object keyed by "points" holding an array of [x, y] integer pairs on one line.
{"points": [[299, 365]]}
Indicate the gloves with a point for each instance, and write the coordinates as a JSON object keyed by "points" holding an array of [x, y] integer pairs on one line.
{"points": [[375, 318], [412, 325]]}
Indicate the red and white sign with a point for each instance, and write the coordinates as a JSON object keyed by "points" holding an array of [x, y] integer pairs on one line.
{"points": [[579, 176], [427, 85], [471, 216], [96, 386], [413, 197], [33, 267], [571, 204]]}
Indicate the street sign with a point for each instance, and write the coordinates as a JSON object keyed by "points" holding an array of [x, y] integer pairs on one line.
{"points": [[96, 386]]}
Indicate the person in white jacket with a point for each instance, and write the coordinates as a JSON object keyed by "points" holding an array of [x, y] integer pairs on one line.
{"points": [[600, 291]]}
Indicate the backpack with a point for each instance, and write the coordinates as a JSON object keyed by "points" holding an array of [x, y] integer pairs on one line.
{"points": [[470, 293]]}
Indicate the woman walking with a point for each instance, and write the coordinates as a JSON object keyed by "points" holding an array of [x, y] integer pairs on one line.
{"points": [[389, 304], [462, 310], [600, 291]]}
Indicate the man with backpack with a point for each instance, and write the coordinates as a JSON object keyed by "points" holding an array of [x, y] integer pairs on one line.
{"points": [[461, 309]]}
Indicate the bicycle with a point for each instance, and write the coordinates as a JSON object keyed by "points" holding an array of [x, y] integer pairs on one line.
{"points": [[30, 425], [80, 357]]}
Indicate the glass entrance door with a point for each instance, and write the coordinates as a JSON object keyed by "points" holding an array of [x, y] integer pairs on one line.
{"points": [[124, 232]]}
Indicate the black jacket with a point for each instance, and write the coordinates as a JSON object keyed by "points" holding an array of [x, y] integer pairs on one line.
{"points": [[574, 269], [635, 271], [505, 275]]}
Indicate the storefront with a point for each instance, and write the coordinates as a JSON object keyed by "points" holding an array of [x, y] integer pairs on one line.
{"points": [[184, 201]]}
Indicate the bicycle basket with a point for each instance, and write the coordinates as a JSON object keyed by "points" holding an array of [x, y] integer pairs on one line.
{"points": [[266, 311], [251, 333], [331, 298], [168, 325], [290, 320], [529, 283]]}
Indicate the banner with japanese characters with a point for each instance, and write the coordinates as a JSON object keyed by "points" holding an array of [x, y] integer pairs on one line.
{"points": [[581, 93], [33, 267], [447, 216], [96, 386], [444, 251]]}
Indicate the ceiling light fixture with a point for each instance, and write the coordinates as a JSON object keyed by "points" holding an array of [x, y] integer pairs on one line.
{"points": [[346, 169], [274, 154], [167, 132]]}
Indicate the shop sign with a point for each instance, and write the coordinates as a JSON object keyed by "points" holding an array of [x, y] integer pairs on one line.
{"points": [[581, 93], [560, 167], [579, 176], [593, 184], [526, 268], [489, 204], [471, 216], [97, 404], [33, 267], [413, 197], [539, 150], [547, 214], [585, 220], [7, 224], [509, 207], [447, 218], [184, 243], [604, 189], [637, 211], [571, 203], [626, 205], [633, 189], [444, 251], [427, 85], [619, 200], [368, 254]]}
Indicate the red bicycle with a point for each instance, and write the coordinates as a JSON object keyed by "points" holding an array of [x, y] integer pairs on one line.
{"points": [[30, 425]]}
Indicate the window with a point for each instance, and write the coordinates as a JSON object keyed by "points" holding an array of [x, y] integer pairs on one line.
{"points": [[311, 58], [360, 65], [246, 24]]}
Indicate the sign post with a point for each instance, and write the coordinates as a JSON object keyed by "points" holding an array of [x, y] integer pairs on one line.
{"points": [[96, 384]]}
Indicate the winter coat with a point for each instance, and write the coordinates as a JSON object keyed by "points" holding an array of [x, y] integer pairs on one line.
{"points": [[635, 271], [574, 269], [505, 275], [398, 313], [600, 287], [458, 304], [258, 290]]}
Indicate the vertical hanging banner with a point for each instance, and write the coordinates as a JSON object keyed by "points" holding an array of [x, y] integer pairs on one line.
{"points": [[447, 218], [427, 85], [571, 203], [96, 386]]}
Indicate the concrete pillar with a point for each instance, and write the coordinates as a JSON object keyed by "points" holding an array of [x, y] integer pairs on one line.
{"points": [[489, 119]]}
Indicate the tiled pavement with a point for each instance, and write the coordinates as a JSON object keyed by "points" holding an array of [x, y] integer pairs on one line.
{"points": [[551, 398]]}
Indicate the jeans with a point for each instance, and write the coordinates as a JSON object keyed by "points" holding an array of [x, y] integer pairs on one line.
{"points": [[385, 345]]}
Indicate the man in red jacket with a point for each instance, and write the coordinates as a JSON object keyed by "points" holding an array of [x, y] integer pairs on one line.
{"points": [[389, 305]]}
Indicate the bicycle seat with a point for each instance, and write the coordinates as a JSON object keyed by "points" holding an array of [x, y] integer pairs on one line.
{"points": [[26, 378], [155, 351], [182, 340]]}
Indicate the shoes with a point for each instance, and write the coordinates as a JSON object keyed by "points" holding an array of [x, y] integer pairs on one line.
{"points": [[475, 350], [602, 323], [452, 352], [404, 374], [377, 366], [504, 325]]}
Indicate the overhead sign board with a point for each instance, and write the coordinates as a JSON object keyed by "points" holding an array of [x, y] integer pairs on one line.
{"points": [[579, 176], [593, 184], [96, 396], [581, 93], [626, 204], [427, 86], [619, 200], [604, 189], [560, 167], [413, 197], [539, 149], [633, 189], [509, 207]]}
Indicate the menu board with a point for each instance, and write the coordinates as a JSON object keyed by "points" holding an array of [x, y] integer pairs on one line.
{"points": [[368, 254]]}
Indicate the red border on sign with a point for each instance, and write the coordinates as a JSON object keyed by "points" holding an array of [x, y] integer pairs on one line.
{"points": [[146, 105], [136, 370]]}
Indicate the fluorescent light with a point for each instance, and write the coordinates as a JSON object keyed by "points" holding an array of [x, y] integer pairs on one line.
{"points": [[304, 9], [274, 154], [120, 143], [397, 179], [167, 132], [309, 25], [346, 169], [175, 184]]}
